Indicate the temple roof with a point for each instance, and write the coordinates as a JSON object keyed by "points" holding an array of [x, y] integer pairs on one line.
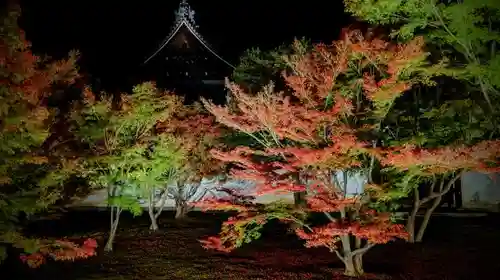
{"points": [[184, 17]]}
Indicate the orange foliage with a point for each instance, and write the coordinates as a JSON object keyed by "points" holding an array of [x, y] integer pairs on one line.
{"points": [[379, 230], [30, 74], [482, 157], [26, 81], [198, 132], [313, 140], [60, 250]]}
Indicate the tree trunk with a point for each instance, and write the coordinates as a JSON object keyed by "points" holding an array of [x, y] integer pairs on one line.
{"points": [[299, 202], [358, 264], [181, 210], [114, 220], [427, 217], [299, 199], [410, 226], [151, 212], [152, 217], [410, 223], [353, 265]]}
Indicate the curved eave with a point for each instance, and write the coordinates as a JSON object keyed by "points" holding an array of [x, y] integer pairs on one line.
{"points": [[195, 34]]}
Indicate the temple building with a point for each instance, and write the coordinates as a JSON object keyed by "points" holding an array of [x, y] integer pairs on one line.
{"points": [[185, 63]]}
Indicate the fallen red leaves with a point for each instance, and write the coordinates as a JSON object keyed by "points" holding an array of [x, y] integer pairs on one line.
{"points": [[60, 250]]}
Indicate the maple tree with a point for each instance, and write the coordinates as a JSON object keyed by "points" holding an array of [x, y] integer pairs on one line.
{"points": [[258, 67], [125, 154], [198, 133], [462, 109], [32, 177], [315, 138], [440, 168], [60, 250], [465, 33]]}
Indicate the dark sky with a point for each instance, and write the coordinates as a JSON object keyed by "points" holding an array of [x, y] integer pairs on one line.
{"points": [[115, 36]]}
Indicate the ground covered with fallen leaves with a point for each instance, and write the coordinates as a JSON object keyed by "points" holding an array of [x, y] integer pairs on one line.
{"points": [[455, 248]]}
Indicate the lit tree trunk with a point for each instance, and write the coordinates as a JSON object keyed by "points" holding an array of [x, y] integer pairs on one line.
{"points": [[114, 220], [181, 209], [353, 265], [352, 256], [185, 194], [153, 216], [427, 217], [358, 264], [299, 199], [435, 196], [352, 252], [151, 212], [410, 223]]}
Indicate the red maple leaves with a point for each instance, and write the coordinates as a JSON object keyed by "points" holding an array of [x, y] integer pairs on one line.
{"points": [[30, 74], [310, 135], [199, 133], [60, 250], [482, 157]]}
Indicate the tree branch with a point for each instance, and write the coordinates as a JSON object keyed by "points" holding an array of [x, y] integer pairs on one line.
{"points": [[446, 189], [339, 255], [363, 250]]}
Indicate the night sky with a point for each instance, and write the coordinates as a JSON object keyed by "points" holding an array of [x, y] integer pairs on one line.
{"points": [[114, 37]]}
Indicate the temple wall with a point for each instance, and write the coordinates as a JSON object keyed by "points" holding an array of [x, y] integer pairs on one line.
{"points": [[481, 191], [98, 198]]}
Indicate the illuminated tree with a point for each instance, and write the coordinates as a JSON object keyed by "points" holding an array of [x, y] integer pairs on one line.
{"points": [[465, 32], [127, 156], [257, 67], [314, 138], [31, 178], [462, 110], [197, 133], [440, 168]]}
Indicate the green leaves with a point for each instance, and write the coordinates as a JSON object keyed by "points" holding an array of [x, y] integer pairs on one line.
{"points": [[126, 202], [31, 173], [465, 31], [257, 68], [128, 156]]}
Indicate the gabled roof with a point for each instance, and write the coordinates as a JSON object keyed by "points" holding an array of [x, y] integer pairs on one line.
{"points": [[185, 17]]}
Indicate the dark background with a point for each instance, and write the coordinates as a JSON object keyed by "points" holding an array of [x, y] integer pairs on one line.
{"points": [[114, 37]]}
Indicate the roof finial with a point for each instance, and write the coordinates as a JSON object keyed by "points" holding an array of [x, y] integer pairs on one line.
{"points": [[185, 13]]}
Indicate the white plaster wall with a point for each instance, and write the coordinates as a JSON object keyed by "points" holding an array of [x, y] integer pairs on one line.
{"points": [[98, 198], [355, 185], [481, 191], [355, 182]]}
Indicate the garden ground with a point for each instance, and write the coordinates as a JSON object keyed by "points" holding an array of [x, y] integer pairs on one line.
{"points": [[455, 248]]}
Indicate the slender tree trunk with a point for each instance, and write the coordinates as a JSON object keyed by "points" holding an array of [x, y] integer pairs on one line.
{"points": [[352, 251], [410, 223], [358, 264], [410, 226], [435, 196], [152, 217], [353, 265], [151, 212], [427, 217], [114, 220], [353, 260], [299, 199], [154, 211], [181, 210]]}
